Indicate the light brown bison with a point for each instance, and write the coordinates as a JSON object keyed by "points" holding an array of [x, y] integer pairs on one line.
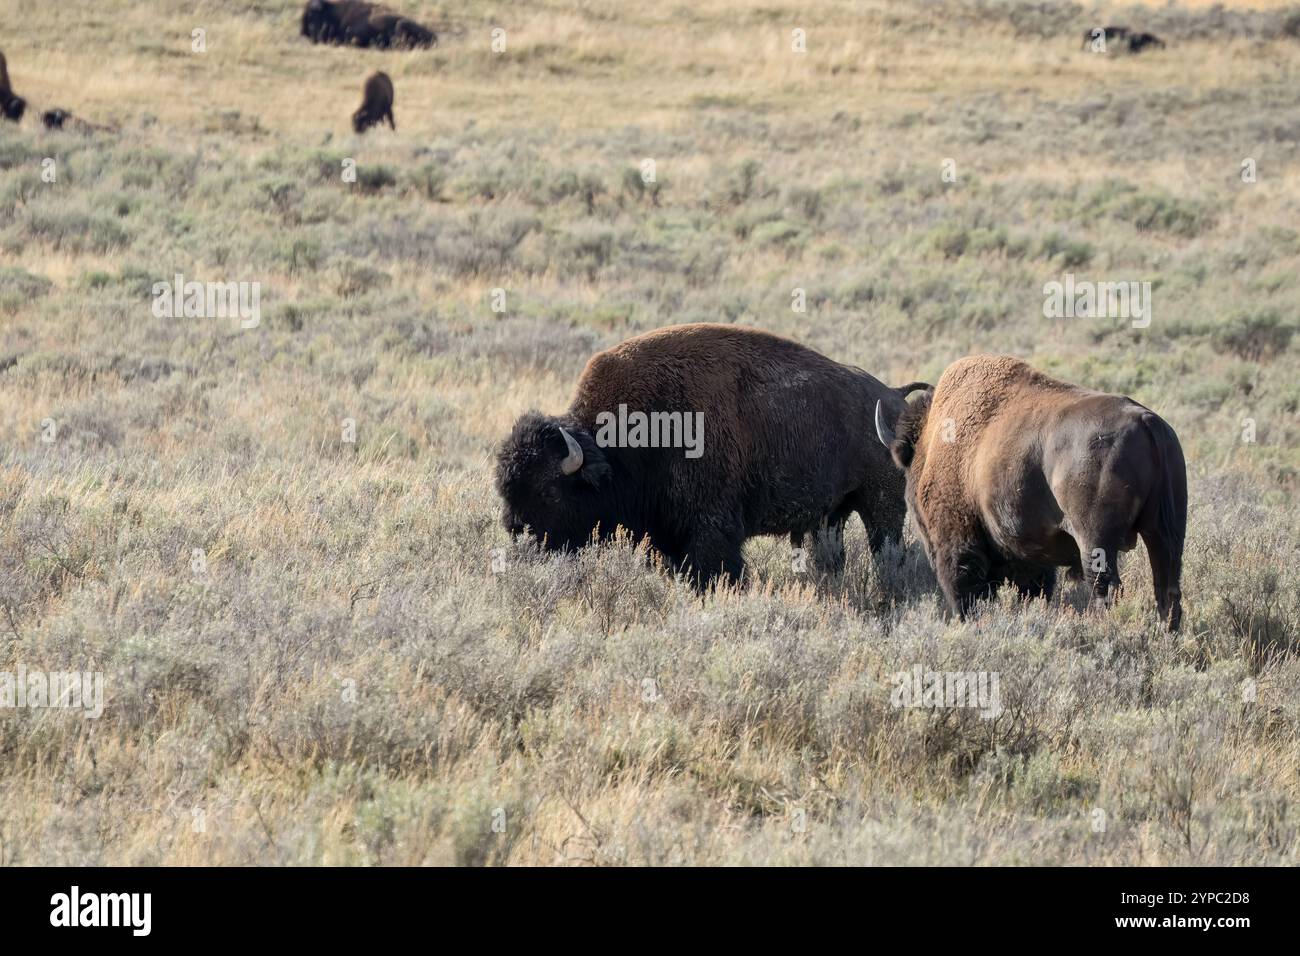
{"points": [[11, 104], [376, 103], [768, 445], [358, 23], [1011, 474]]}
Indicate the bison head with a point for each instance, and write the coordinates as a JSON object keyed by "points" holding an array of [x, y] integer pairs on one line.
{"points": [[901, 439], [12, 105], [318, 20], [555, 482]]}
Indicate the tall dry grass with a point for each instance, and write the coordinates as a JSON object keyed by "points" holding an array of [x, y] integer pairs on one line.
{"points": [[359, 667]]}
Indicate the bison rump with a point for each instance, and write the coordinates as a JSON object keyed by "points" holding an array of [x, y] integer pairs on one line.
{"points": [[1011, 474]]}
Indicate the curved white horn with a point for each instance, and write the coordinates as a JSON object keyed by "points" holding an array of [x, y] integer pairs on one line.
{"points": [[573, 461], [883, 431]]}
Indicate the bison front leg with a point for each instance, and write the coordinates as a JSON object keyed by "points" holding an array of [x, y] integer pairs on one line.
{"points": [[714, 554], [1032, 580]]}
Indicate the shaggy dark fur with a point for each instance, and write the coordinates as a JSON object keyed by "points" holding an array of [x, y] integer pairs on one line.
{"points": [[376, 103], [907, 431], [11, 104], [783, 452], [60, 119], [1011, 474], [358, 23], [1140, 41]]}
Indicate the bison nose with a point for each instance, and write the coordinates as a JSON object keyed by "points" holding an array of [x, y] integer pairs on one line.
{"points": [[516, 528]]}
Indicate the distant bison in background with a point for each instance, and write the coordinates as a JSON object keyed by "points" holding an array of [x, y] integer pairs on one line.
{"points": [[59, 119], [1011, 474], [1140, 41], [1110, 33], [769, 444], [376, 103], [11, 104], [358, 23]]}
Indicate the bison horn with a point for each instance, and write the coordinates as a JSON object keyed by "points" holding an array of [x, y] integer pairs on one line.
{"points": [[573, 460], [883, 431]]}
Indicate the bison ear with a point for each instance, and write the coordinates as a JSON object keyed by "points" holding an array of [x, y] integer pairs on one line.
{"points": [[901, 451], [596, 472], [595, 466]]}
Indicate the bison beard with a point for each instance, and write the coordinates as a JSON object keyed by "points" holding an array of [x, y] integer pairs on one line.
{"points": [[376, 103], [782, 453], [358, 23], [11, 104], [1011, 474]]}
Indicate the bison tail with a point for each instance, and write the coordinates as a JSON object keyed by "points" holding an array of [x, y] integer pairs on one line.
{"points": [[906, 390], [1167, 526]]}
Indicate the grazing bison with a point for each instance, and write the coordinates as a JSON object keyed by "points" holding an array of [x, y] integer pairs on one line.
{"points": [[11, 104], [376, 103], [63, 120], [358, 23], [1011, 474], [1140, 41], [1108, 35], [770, 447]]}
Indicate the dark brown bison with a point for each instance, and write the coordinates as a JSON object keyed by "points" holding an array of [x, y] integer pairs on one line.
{"points": [[60, 119], [1138, 42], [698, 437], [1011, 474], [1111, 34], [376, 103], [358, 23], [11, 104]]}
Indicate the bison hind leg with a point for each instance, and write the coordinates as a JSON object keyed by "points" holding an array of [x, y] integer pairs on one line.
{"points": [[1099, 561], [1166, 570], [883, 514], [828, 547]]}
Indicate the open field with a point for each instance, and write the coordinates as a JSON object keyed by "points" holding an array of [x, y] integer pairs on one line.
{"points": [[318, 650]]}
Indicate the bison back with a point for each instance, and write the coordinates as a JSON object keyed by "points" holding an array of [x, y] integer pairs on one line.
{"points": [[785, 430]]}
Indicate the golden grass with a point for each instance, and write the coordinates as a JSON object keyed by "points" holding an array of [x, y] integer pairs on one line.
{"points": [[351, 682]]}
